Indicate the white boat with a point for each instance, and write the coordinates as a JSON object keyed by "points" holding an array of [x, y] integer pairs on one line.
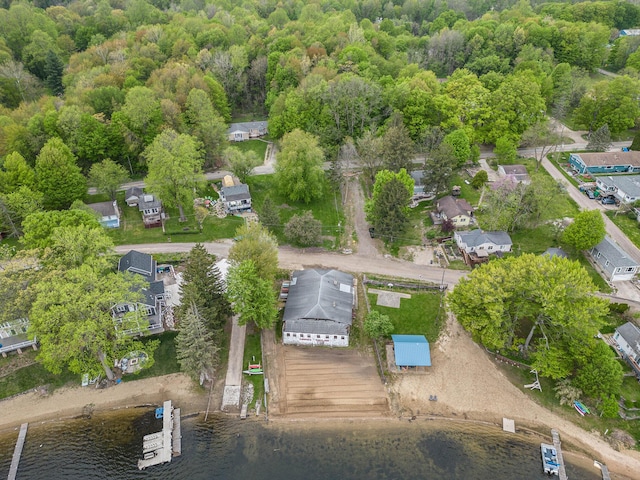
{"points": [[550, 463]]}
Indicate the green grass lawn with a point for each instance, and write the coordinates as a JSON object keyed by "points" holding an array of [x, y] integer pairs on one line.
{"points": [[467, 192], [165, 361], [560, 160], [132, 230], [419, 315], [327, 209], [32, 376], [413, 233], [253, 354], [257, 146], [628, 224]]}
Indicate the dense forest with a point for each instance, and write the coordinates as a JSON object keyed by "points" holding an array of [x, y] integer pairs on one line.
{"points": [[107, 77]]}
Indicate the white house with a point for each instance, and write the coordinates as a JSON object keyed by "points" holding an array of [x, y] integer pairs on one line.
{"points": [[319, 308], [627, 337], [625, 188], [483, 243], [614, 262], [132, 195]]}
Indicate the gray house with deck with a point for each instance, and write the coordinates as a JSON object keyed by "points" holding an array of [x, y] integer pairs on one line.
{"points": [[616, 264], [627, 338]]}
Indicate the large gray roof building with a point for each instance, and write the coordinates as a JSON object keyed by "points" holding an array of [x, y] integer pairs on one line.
{"points": [[615, 262], [319, 309]]}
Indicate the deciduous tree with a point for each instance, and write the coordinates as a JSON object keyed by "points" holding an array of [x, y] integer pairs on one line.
{"points": [[299, 173], [377, 325], [107, 176], [255, 243], [175, 169], [438, 169], [39, 226], [586, 231], [304, 230], [251, 296], [397, 148], [241, 163], [15, 173]]}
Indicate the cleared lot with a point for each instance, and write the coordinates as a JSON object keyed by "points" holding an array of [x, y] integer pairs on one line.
{"points": [[325, 382]]}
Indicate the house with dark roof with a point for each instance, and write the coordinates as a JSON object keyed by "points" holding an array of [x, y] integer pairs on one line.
{"points": [[236, 198], [319, 308], [616, 264], [411, 351], [239, 132], [458, 210], [483, 243], [517, 173], [151, 209], [108, 213], [605, 162], [627, 337], [132, 195], [145, 316]]}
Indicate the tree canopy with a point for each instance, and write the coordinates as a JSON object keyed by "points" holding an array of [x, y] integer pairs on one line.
{"points": [[255, 243], [586, 230], [299, 173], [252, 297]]}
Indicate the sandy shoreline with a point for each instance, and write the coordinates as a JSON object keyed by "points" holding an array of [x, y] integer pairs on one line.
{"points": [[468, 384]]}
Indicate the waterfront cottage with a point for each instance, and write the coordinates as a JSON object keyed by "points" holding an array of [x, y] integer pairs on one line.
{"points": [[616, 264], [319, 308], [627, 338]]}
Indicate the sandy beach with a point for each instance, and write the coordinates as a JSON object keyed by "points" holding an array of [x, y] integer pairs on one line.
{"points": [[469, 386]]}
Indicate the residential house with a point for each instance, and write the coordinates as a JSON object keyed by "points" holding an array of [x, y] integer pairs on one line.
{"points": [[458, 210], [516, 173], [605, 162], [13, 337], [147, 314], [616, 264], [132, 195], [476, 245], [239, 132], [630, 32], [235, 196], [625, 188], [411, 351], [151, 208], [319, 308], [627, 337], [108, 212]]}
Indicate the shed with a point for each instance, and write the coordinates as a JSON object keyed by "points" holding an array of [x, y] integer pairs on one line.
{"points": [[411, 351]]}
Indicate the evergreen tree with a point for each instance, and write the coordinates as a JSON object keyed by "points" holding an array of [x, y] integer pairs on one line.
{"points": [[203, 287], [53, 69], [196, 348], [600, 140], [269, 214]]}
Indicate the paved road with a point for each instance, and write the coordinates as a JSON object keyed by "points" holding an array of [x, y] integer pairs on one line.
{"points": [[585, 203]]}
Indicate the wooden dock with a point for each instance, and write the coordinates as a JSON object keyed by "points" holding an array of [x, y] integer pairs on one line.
{"points": [[160, 447], [17, 452], [562, 473]]}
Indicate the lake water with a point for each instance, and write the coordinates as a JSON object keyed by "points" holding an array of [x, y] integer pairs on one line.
{"points": [[108, 446]]}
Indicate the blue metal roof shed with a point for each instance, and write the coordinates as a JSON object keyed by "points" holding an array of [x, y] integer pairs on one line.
{"points": [[411, 351]]}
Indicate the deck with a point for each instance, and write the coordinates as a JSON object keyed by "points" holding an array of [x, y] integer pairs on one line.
{"points": [[17, 452], [562, 472], [160, 447]]}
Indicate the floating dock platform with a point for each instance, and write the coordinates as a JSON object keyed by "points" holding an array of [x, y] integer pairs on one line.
{"points": [[562, 473], [17, 452], [160, 447]]}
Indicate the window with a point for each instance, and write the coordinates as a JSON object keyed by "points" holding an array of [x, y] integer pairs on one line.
{"points": [[288, 334], [631, 269], [326, 337], [490, 248], [342, 338], [317, 336], [335, 337]]}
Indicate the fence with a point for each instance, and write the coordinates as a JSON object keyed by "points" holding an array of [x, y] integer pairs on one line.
{"points": [[409, 285]]}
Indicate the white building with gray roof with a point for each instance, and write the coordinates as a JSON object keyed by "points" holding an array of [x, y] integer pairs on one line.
{"points": [[616, 264], [319, 308], [483, 243], [625, 188], [627, 337]]}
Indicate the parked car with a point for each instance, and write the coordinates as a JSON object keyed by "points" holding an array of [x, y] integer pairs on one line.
{"points": [[590, 194], [608, 201]]}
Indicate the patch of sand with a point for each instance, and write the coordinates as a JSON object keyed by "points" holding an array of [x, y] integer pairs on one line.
{"points": [[469, 385]]}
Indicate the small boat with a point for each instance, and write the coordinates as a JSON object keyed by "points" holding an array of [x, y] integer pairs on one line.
{"points": [[581, 408], [255, 369], [550, 463]]}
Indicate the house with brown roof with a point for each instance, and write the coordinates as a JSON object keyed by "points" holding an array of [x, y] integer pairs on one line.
{"points": [[458, 210], [516, 173], [605, 162]]}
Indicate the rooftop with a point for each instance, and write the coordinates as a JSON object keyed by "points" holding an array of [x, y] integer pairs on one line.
{"points": [[246, 126], [614, 254], [236, 192], [630, 333], [411, 350], [106, 209], [629, 184], [452, 207], [604, 159], [477, 237], [140, 263], [148, 201]]}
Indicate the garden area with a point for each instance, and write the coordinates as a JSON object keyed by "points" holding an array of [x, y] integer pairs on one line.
{"points": [[327, 209]]}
